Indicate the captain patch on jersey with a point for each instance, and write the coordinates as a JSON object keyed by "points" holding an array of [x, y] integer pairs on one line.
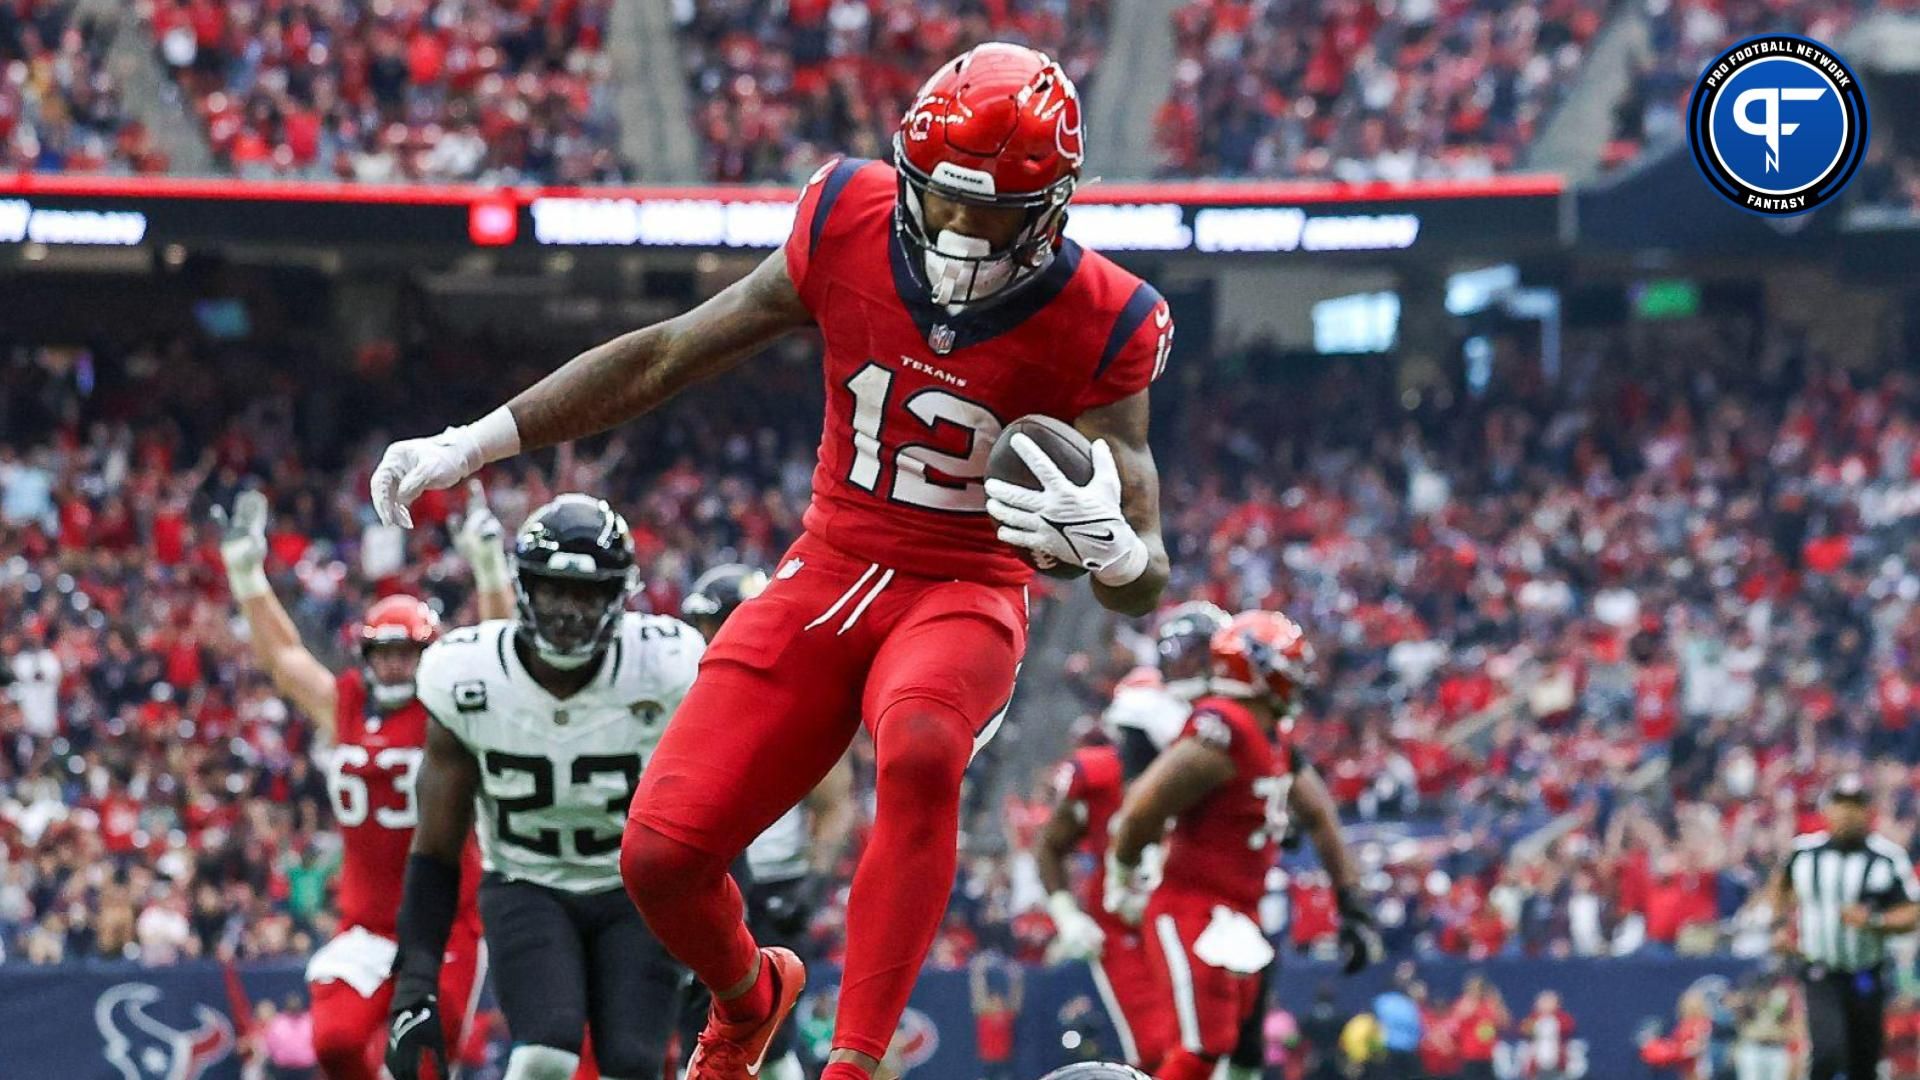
{"points": [[556, 774]]}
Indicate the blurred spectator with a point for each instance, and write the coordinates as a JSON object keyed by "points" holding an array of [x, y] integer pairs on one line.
{"points": [[288, 1040], [1547, 1030], [1401, 1026], [1479, 1020], [996, 1011], [33, 677]]}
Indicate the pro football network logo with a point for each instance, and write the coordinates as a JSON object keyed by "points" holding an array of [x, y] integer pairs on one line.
{"points": [[1778, 124]]}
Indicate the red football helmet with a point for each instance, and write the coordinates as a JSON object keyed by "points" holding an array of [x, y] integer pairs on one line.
{"points": [[997, 126], [396, 620], [1262, 653]]}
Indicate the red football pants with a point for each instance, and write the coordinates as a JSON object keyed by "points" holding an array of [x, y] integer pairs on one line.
{"points": [[350, 1031], [1203, 1006], [927, 664], [1124, 978]]}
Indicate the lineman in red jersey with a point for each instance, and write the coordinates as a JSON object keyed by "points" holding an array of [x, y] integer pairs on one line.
{"points": [[1233, 791], [950, 303], [1089, 788], [1149, 710], [377, 729]]}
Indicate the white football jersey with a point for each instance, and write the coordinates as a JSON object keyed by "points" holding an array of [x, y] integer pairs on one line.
{"points": [[1151, 709], [556, 774]]}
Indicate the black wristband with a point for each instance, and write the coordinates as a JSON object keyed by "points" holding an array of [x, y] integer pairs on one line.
{"points": [[429, 902]]}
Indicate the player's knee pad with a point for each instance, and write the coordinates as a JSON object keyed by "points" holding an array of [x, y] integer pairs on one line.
{"points": [[922, 747], [653, 865], [530, 1061]]}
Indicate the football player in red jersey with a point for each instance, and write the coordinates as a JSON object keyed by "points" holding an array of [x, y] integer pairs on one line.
{"points": [[1088, 789], [377, 729], [950, 302], [1234, 792], [1149, 710]]}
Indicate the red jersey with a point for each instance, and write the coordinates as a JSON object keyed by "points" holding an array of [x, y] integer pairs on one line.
{"points": [[1224, 845], [1092, 778], [916, 394], [371, 771]]}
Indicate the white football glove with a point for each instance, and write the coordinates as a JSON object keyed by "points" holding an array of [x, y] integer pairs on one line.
{"points": [[1127, 890], [412, 466], [243, 544], [477, 538], [1081, 525], [1076, 936]]}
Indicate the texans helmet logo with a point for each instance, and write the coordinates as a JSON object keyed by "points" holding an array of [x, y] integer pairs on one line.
{"points": [[141, 1046]]}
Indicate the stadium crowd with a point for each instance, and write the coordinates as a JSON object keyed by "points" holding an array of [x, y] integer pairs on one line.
{"points": [[779, 86], [1530, 605], [60, 105], [425, 91], [1357, 91]]}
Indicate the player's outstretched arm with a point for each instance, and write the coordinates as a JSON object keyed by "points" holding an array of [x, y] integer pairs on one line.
{"points": [[1123, 425], [477, 537], [1064, 830], [276, 643], [1075, 932], [430, 900], [1311, 804], [604, 386]]}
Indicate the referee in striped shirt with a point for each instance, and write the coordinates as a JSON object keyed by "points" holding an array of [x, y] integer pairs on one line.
{"points": [[1839, 896]]}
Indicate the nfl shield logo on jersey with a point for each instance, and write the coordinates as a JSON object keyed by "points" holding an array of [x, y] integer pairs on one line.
{"points": [[940, 339]]}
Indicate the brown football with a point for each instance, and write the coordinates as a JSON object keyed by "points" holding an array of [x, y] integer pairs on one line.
{"points": [[1069, 450]]}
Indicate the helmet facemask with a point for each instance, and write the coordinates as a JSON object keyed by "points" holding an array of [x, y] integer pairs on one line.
{"points": [[570, 615], [960, 270], [388, 694], [1185, 666]]}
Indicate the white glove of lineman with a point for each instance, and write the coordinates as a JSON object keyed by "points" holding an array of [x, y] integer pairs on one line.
{"points": [[1127, 890], [243, 544], [477, 539], [1076, 936], [412, 466], [1071, 523]]}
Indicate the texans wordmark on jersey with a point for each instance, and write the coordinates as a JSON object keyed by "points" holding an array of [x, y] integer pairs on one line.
{"points": [[557, 774]]}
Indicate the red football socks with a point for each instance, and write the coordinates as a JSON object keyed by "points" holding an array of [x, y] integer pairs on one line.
{"points": [[755, 1004]]}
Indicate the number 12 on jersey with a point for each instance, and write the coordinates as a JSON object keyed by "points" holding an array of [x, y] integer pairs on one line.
{"points": [[962, 490]]}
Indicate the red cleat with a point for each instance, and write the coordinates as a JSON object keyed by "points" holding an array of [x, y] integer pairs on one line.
{"points": [[736, 1051]]}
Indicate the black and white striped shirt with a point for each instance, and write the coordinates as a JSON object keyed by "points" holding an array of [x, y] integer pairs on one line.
{"points": [[1827, 879]]}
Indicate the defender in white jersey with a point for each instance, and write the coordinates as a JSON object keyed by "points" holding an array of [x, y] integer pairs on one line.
{"points": [[540, 728]]}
